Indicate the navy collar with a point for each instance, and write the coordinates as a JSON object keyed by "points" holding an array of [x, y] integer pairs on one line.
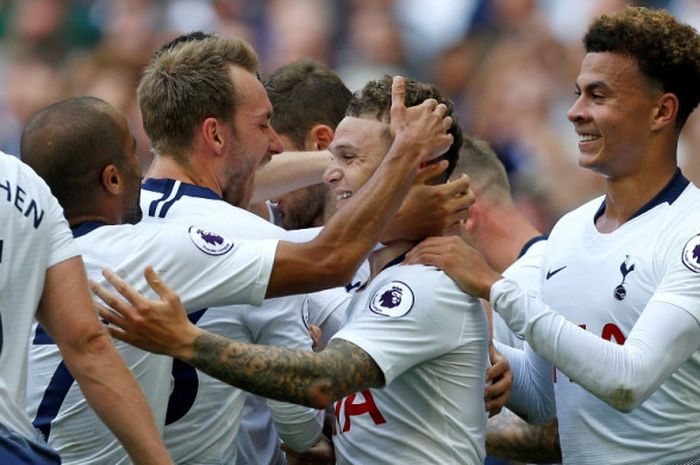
{"points": [[395, 261], [86, 227], [532, 242], [166, 185], [668, 194]]}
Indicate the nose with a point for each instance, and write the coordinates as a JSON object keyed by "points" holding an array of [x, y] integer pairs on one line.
{"points": [[332, 174], [575, 112], [275, 145]]}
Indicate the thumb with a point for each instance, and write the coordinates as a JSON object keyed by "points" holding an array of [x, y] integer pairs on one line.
{"points": [[398, 97]]}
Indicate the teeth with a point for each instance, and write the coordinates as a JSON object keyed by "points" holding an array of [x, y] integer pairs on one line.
{"points": [[344, 195], [587, 137]]}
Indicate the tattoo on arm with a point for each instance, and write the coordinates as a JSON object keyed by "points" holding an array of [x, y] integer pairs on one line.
{"points": [[297, 376], [510, 437]]}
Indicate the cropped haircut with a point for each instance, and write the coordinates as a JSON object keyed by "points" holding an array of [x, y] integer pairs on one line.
{"points": [[666, 51], [374, 100], [303, 94], [186, 82], [69, 143], [485, 169]]}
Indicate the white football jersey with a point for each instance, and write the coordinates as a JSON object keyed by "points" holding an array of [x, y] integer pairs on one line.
{"points": [[205, 268], [602, 282], [201, 436], [34, 237], [526, 272], [430, 341]]}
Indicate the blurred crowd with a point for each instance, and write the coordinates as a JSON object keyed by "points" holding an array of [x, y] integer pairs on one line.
{"points": [[509, 65]]}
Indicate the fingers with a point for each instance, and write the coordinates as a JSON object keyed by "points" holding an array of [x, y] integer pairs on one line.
{"points": [[430, 171], [109, 315], [121, 286], [398, 96], [460, 186], [107, 297], [160, 288]]}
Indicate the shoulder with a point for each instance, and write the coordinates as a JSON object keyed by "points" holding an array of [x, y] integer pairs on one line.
{"points": [[419, 286]]}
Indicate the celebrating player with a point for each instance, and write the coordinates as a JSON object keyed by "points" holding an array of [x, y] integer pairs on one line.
{"points": [[620, 296]]}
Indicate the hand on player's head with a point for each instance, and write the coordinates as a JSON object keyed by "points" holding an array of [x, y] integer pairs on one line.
{"points": [[423, 125]]}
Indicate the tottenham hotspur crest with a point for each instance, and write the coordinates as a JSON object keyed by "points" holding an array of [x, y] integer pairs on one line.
{"points": [[625, 268], [393, 299]]}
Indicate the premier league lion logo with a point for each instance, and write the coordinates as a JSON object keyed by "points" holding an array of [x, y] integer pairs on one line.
{"points": [[393, 299], [209, 242], [691, 254]]}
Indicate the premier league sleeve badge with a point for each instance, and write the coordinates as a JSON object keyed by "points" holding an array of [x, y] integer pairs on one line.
{"points": [[393, 300]]}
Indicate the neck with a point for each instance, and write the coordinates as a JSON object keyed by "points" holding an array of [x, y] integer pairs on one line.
{"points": [[502, 235], [625, 195], [167, 167], [76, 220], [380, 258]]}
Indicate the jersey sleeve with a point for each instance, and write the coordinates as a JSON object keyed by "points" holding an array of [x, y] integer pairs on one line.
{"points": [[624, 375], [680, 284], [205, 268], [416, 315], [532, 396], [49, 217], [61, 242]]}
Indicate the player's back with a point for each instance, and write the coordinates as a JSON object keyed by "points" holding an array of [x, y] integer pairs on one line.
{"points": [[430, 340], [603, 282], [35, 236]]}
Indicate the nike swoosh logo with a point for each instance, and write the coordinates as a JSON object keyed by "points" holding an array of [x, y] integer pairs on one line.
{"points": [[552, 273]]}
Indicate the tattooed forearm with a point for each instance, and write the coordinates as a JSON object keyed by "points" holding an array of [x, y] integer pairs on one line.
{"points": [[301, 377], [509, 437]]}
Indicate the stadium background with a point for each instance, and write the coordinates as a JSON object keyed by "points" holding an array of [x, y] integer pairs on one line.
{"points": [[509, 65]]}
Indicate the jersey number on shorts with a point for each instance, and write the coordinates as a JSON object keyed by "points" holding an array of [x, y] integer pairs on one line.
{"points": [[350, 408], [185, 383]]}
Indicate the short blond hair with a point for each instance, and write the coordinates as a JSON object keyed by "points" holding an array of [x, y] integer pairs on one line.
{"points": [[187, 83]]}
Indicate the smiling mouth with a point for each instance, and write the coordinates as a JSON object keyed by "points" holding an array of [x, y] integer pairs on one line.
{"points": [[587, 137], [343, 196]]}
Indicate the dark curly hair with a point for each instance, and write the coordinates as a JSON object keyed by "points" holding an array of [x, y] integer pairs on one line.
{"points": [[666, 50], [374, 100]]}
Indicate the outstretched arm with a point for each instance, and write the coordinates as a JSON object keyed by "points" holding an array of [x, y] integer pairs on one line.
{"points": [[623, 376], [66, 312], [289, 171], [420, 134], [298, 376]]}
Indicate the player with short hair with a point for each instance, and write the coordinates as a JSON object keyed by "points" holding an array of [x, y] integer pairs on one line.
{"points": [[619, 314], [308, 101], [91, 165], [408, 332]]}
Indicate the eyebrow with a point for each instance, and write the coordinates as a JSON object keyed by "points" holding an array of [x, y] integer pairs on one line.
{"points": [[342, 146], [590, 87]]}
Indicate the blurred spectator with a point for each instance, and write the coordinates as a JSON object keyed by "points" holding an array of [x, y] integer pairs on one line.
{"points": [[509, 65]]}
